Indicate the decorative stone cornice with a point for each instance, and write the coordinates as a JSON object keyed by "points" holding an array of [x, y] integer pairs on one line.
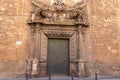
{"points": [[58, 14]]}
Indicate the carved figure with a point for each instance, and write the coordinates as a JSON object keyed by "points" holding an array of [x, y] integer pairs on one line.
{"points": [[58, 12]]}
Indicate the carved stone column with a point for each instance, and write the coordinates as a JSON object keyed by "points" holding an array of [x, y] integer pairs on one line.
{"points": [[31, 49], [78, 42], [34, 50], [78, 49], [83, 63], [35, 65]]}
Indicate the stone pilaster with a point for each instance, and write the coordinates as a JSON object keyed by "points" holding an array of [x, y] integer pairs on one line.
{"points": [[83, 63]]}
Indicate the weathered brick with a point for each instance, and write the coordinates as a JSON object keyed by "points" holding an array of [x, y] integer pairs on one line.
{"points": [[104, 35]]}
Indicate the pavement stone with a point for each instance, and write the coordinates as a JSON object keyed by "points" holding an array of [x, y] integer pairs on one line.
{"points": [[59, 78]]}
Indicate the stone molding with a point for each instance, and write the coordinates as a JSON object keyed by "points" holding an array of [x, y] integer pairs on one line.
{"points": [[57, 21], [58, 13]]}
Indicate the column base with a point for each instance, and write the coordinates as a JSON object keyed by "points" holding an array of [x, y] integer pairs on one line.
{"points": [[83, 68]]}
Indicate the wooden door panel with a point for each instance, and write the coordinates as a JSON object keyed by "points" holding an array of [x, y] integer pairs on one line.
{"points": [[52, 56], [58, 56], [63, 56]]}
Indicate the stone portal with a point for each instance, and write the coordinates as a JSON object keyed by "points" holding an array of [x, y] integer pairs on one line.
{"points": [[57, 22]]}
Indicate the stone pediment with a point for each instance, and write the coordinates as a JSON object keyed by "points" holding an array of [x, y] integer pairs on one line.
{"points": [[58, 14]]}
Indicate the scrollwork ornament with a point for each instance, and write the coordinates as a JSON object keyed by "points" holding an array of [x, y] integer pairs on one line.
{"points": [[58, 13]]}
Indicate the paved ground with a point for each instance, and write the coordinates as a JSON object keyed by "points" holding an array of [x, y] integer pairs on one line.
{"points": [[60, 78]]}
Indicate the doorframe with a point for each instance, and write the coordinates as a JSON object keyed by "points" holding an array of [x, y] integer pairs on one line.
{"points": [[78, 33], [72, 63]]}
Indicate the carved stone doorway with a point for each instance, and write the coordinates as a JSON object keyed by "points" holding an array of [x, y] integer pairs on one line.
{"points": [[38, 54], [57, 21]]}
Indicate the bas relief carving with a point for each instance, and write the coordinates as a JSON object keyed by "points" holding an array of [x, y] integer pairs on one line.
{"points": [[59, 5], [58, 13]]}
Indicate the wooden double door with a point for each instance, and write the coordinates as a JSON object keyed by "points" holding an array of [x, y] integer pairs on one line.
{"points": [[58, 57]]}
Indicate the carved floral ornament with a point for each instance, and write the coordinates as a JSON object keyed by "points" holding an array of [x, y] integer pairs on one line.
{"points": [[58, 13]]}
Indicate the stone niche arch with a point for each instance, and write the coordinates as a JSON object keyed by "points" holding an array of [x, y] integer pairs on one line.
{"points": [[47, 22]]}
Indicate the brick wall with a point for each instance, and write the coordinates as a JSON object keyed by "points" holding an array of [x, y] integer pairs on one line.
{"points": [[13, 27], [104, 39]]}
